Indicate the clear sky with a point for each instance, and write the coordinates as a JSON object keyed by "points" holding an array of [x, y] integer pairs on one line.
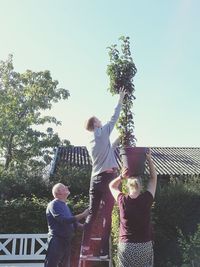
{"points": [[69, 38]]}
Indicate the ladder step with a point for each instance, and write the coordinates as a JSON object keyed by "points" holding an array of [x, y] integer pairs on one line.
{"points": [[95, 238], [83, 258], [93, 258]]}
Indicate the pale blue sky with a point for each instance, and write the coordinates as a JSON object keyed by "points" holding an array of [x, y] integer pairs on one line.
{"points": [[69, 38]]}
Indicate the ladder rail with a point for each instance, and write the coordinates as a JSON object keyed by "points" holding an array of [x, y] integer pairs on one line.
{"points": [[100, 222]]}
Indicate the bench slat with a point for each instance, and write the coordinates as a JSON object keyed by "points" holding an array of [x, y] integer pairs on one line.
{"points": [[22, 265]]}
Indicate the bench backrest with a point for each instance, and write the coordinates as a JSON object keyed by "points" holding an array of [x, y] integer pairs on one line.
{"points": [[23, 246]]}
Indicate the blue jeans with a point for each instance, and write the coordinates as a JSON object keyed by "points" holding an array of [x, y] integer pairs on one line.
{"points": [[58, 253], [100, 193]]}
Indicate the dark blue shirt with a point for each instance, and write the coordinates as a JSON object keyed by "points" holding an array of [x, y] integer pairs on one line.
{"points": [[60, 219]]}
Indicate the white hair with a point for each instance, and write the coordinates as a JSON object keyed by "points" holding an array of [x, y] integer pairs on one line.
{"points": [[56, 189]]}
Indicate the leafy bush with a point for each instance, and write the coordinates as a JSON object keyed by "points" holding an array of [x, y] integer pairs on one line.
{"points": [[23, 215], [77, 177], [176, 207], [17, 182], [190, 248], [115, 232]]}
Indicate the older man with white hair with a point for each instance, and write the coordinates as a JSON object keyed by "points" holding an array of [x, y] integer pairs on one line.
{"points": [[61, 225]]}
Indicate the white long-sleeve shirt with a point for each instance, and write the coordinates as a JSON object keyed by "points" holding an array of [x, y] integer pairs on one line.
{"points": [[100, 148]]}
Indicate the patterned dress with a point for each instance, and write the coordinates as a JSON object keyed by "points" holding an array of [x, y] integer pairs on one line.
{"points": [[135, 254]]}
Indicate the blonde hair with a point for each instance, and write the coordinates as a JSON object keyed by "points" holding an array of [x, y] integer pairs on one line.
{"points": [[89, 124], [134, 182]]}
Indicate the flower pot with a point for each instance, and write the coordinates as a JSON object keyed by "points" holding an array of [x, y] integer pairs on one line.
{"points": [[134, 159]]}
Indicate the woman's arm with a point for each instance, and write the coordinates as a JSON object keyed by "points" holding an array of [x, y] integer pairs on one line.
{"points": [[114, 187], [153, 175]]}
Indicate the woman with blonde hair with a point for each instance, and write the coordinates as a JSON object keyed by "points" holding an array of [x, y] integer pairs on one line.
{"points": [[135, 247]]}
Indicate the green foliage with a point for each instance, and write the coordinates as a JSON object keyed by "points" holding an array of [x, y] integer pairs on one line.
{"points": [[78, 177], [190, 248], [121, 72], [18, 182], [176, 207], [115, 232], [23, 215], [22, 98]]}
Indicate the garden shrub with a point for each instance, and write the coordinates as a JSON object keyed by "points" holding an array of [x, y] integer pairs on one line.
{"points": [[190, 248], [16, 183], [176, 207], [23, 215], [78, 177]]}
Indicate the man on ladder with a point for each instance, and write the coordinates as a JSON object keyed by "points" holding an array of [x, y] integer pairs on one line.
{"points": [[104, 170]]}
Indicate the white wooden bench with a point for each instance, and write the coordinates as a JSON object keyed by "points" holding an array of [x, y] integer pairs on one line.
{"points": [[27, 250]]}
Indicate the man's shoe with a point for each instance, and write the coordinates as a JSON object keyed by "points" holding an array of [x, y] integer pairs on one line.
{"points": [[85, 253], [103, 255]]}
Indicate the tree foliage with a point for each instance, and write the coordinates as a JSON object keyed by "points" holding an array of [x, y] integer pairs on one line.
{"points": [[23, 97], [77, 177]]}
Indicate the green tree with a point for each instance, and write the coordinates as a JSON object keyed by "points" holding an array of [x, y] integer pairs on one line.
{"points": [[23, 96]]}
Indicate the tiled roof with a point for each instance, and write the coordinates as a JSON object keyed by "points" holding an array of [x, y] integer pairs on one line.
{"points": [[177, 160], [168, 160], [70, 155]]}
